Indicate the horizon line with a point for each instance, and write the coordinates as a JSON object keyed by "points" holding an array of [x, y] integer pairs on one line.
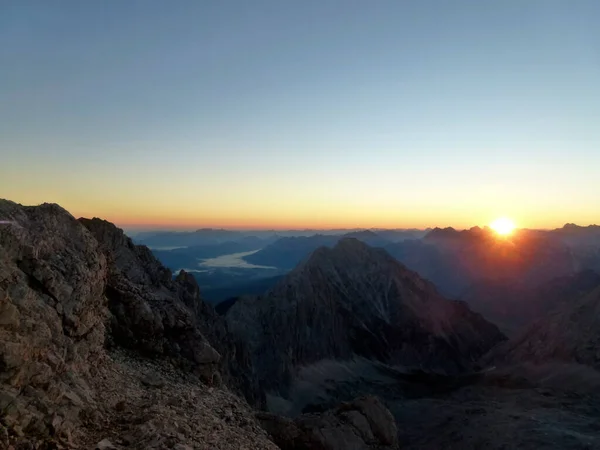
{"points": [[191, 229]]}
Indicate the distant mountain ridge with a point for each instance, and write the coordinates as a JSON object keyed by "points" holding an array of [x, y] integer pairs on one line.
{"points": [[472, 264], [287, 252], [201, 237], [455, 260]]}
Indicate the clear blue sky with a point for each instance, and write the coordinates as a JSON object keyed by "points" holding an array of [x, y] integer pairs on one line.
{"points": [[320, 113]]}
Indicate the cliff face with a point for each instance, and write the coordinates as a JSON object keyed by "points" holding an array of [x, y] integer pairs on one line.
{"points": [[67, 288], [52, 277], [355, 300]]}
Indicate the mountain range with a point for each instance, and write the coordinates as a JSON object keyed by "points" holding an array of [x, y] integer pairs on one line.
{"points": [[102, 346], [457, 262], [211, 236]]}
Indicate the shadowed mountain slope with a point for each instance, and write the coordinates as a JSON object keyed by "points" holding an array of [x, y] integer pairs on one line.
{"points": [[512, 306], [357, 300], [570, 334]]}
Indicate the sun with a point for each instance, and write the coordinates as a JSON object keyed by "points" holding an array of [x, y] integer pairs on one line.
{"points": [[503, 226]]}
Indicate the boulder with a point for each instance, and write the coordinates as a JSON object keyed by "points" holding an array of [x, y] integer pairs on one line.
{"points": [[52, 318], [362, 424]]}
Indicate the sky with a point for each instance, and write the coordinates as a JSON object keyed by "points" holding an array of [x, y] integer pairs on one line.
{"points": [[316, 113]]}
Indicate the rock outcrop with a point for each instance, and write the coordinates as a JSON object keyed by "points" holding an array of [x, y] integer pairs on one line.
{"points": [[52, 279], [362, 424], [156, 314], [69, 290], [148, 307], [356, 300]]}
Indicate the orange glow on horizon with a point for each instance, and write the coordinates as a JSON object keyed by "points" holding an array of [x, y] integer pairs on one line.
{"points": [[276, 201], [267, 222], [164, 215], [174, 217], [188, 212], [503, 226]]}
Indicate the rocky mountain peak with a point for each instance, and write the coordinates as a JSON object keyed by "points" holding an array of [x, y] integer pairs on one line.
{"points": [[353, 246], [346, 250], [135, 262], [356, 300]]}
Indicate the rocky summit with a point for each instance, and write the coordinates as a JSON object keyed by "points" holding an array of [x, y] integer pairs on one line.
{"points": [[100, 347], [355, 300], [71, 289]]}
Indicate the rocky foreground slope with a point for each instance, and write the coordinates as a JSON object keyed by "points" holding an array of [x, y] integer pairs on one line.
{"points": [[65, 293], [81, 310], [355, 300]]}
